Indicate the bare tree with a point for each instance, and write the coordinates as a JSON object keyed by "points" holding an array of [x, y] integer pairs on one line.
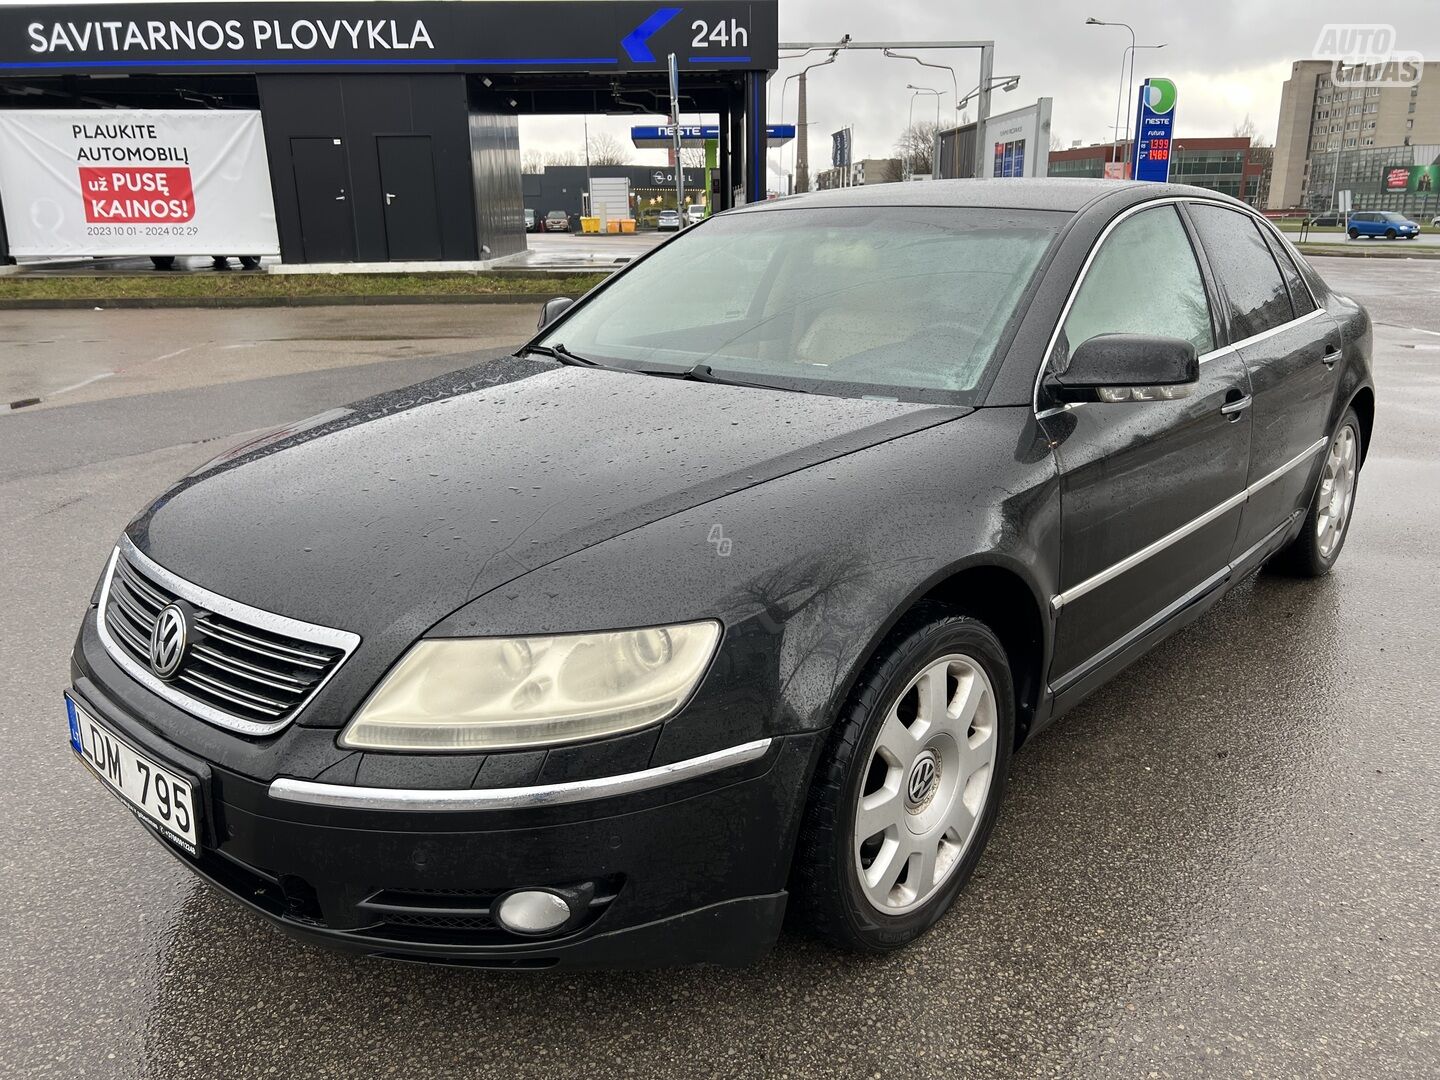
{"points": [[1246, 129], [692, 157], [535, 161], [916, 147], [605, 149]]}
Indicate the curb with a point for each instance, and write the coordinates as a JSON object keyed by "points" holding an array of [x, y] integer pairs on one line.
{"points": [[153, 302], [1339, 251]]}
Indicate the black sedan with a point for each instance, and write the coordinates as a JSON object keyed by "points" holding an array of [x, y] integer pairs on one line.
{"points": [[731, 595]]}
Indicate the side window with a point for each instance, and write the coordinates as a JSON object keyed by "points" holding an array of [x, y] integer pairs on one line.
{"points": [[1254, 290], [1300, 298], [1144, 280]]}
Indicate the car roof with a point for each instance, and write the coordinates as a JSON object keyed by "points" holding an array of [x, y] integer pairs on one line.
{"points": [[1037, 193]]}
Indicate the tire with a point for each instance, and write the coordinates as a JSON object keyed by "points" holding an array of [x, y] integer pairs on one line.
{"points": [[1354, 234], [163, 262], [1315, 551], [250, 262], [830, 899]]}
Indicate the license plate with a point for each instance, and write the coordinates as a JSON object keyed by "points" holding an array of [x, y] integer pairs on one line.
{"points": [[157, 795]]}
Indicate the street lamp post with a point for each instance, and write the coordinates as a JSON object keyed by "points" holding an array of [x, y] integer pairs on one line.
{"points": [[918, 90], [1131, 51], [1121, 95]]}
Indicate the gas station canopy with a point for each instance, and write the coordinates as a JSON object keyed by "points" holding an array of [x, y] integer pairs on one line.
{"points": [[661, 136]]}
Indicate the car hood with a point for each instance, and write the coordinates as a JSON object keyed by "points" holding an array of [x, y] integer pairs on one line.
{"points": [[392, 513]]}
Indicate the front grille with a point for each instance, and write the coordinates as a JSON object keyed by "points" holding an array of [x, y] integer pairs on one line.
{"points": [[235, 672]]}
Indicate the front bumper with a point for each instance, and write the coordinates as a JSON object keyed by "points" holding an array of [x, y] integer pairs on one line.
{"points": [[689, 871]]}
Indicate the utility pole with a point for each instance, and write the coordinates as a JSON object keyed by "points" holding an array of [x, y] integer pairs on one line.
{"points": [[802, 144]]}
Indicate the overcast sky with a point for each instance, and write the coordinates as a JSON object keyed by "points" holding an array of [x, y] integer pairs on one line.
{"points": [[1228, 57]]}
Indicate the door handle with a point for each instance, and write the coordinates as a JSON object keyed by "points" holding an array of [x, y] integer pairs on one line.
{"points": [[389, 198], [339, 198], [1234, 406], [1332, 353]]}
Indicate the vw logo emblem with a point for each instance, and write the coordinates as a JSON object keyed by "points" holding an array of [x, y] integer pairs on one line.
{"points": [[169, 640], [921, 784]]}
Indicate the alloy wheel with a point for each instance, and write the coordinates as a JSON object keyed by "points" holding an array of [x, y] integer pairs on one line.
{"points": [[1337, 491], [926, 784]]}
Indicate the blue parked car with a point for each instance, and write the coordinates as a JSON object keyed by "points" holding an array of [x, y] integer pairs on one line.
{"points": [[1384, 223]]}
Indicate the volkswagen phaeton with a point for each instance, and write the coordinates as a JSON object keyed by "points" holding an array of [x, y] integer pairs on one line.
{"points": [[726, 600]]}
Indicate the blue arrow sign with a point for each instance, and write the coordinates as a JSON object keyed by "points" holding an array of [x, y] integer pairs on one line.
{"points": [[636, 44]]}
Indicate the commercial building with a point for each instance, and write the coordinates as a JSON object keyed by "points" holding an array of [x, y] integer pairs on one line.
{"points": [[862, 172], [351, 131], [652, 188], [1228, 165], [1321, 118], [1405, 179]]}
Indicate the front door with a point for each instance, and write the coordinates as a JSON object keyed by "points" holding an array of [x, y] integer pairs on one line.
{"points": [[412, 217], [1150, 491], [322, 188]]}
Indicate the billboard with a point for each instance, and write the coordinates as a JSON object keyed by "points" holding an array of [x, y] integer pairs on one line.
{"points": [[1154, 131], [136, 182], [1020, 140], [1411, 178]]}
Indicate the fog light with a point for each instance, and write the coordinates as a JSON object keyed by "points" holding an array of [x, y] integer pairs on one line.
{"points": [[532, 911]]}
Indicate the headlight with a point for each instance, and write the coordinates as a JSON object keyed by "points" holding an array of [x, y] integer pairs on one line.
{"points": [[512, 693]]}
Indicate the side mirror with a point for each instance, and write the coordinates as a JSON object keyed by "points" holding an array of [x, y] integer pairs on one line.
{"points": [[1127, 367], [552, 310]]}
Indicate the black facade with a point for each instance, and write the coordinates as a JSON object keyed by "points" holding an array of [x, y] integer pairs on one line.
{"points": [[391, 129], [376, 168]]}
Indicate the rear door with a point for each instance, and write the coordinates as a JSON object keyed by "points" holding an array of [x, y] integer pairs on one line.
{"points": [[1289, 346], [1150, 491]]}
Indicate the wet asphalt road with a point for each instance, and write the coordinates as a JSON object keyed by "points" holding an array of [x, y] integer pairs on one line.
{"points": [[1224, 864]]}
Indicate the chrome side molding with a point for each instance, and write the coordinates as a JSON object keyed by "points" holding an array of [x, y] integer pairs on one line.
{"points": [[1131, 561], [352, 797]]}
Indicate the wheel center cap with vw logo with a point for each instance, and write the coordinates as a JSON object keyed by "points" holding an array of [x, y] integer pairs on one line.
{"points": [[170, 640], [923, 779]]}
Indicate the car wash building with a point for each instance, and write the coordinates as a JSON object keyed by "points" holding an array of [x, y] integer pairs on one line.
{"points": [[339, 132]]}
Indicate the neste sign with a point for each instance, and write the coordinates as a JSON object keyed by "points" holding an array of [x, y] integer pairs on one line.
{"points": [[138, 182]]}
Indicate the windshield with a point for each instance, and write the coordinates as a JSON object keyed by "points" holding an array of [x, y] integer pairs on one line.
{"points": [[892, 301]]}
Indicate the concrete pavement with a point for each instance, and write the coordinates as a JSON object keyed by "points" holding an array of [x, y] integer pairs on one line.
{"points": [[1223, 864]]}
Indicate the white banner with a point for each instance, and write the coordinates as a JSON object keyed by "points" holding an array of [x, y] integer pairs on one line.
{"points": [[136, 182]]}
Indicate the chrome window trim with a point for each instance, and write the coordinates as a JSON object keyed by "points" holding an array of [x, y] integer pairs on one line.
{"points": [[1059, 600], [1129, 212], [220, 605], [350, 797], [1293, 253]]}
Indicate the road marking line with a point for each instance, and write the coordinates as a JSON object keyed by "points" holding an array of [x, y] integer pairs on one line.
{"points": [[82, 382]]}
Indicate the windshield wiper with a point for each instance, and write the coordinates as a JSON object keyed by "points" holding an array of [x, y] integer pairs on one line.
{"points": [[704, 373], [563, 355]]}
